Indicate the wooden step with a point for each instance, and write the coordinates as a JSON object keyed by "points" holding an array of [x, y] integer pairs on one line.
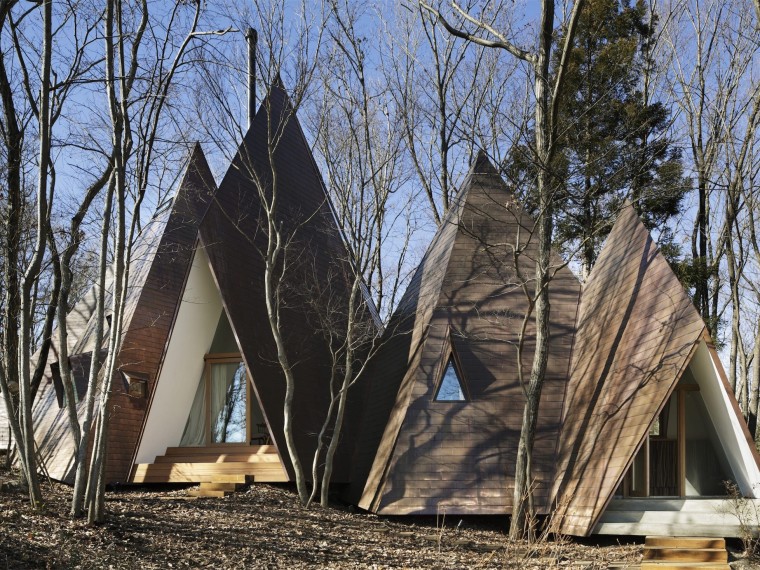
{"points": [[221, 448], [662, 554], [228, 478], [207, 493], [685, 542], [220, 458], [683, 566], [224, 486], [666, 552], [265, 472]]}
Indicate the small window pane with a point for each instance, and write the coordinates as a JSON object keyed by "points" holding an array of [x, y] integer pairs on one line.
{"points": [[451, 386]]}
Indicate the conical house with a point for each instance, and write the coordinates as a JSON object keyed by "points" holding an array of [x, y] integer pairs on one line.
{"points": [[445, 402], [637, 427], [648, 416]]}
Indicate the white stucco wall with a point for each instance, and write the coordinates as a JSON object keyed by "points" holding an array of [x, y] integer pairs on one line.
{"points": [[190, 340], [730, 433]]}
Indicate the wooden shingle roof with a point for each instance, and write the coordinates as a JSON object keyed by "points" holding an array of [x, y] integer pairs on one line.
{"points": [[458, 457], [234, 235], [637, 329]]}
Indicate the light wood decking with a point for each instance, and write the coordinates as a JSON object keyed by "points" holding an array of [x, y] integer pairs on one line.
{"points": [[213, 464], [676, 517], [668, 552]]}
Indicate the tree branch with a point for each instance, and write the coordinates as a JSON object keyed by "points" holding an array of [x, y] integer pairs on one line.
{"points": [[501, 43]]}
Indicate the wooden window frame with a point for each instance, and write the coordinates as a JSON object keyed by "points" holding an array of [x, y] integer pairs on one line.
{"points": [[226, 358], [679, 393], [449, 353]]}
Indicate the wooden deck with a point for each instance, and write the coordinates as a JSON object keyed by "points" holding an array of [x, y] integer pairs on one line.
{"points": [[218, 463], [709, 517]]}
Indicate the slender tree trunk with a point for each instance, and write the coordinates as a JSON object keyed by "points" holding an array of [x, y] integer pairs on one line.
{"points": [[114, 46], [282, 358], [63, 273], [33, 270], [10, 377], [521, 498], [81, 476], [754, 401], [348, 379]]}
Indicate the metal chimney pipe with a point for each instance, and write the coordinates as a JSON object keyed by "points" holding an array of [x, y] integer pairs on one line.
{"points": [[251, 37]]}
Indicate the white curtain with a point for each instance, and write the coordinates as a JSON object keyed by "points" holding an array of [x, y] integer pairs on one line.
{"points": [[195, 428]]}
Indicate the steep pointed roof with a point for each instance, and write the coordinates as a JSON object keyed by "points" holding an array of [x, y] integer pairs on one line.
{"points": [[465, 299], [234, 235], [157, 270], [637, 330]]}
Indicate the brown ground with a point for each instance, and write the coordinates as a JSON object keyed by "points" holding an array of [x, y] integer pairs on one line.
{"points": [[262, 527]]}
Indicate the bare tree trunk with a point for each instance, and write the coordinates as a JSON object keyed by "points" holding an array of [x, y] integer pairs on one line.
{"points": [[33, 270], [754, 401], [80, 465], [546, 105], [348, 379], [9, 375], [121, 138], [271, 295]]}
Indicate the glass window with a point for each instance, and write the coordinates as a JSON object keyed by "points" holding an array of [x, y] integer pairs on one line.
{"points": [[450, 389], [228, 403]]}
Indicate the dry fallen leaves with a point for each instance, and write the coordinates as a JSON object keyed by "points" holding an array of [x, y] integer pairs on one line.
{"points": [[263, 527]]}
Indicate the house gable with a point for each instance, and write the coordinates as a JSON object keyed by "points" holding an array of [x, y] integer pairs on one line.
{"points": [[637, 332], [459, 456], [157, 272], [234, 236]]}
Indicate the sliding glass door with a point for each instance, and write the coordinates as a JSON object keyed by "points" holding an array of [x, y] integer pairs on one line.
{"points": [[221, 410], [228, 401]]}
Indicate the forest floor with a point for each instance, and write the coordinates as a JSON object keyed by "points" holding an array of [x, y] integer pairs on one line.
{"points": [[262, 526]]}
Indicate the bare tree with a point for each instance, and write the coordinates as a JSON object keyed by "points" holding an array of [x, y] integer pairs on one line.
{"points": [[136, 108], [546, 92], [359, 144], [21, 276], [446, 90], [711, 80]]}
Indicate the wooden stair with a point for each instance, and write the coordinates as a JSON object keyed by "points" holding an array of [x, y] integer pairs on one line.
{"points": [[214, 489], [213, 464], [677, 553]]}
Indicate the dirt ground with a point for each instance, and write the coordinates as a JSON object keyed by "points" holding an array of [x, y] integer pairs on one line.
{"points": [[262, 526]]}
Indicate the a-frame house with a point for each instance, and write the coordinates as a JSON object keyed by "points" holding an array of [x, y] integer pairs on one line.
{"points": [[637, 427], [159, 264], [651, 429], [222, 333], [198, 389]]}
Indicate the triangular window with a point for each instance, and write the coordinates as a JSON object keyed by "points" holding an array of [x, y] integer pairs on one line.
{"points": [[450, 388]]}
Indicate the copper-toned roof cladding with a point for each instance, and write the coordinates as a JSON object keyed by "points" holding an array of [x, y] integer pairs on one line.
{"points": [[316, 279], [637, 329], [157, 274], [458, 457]]}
